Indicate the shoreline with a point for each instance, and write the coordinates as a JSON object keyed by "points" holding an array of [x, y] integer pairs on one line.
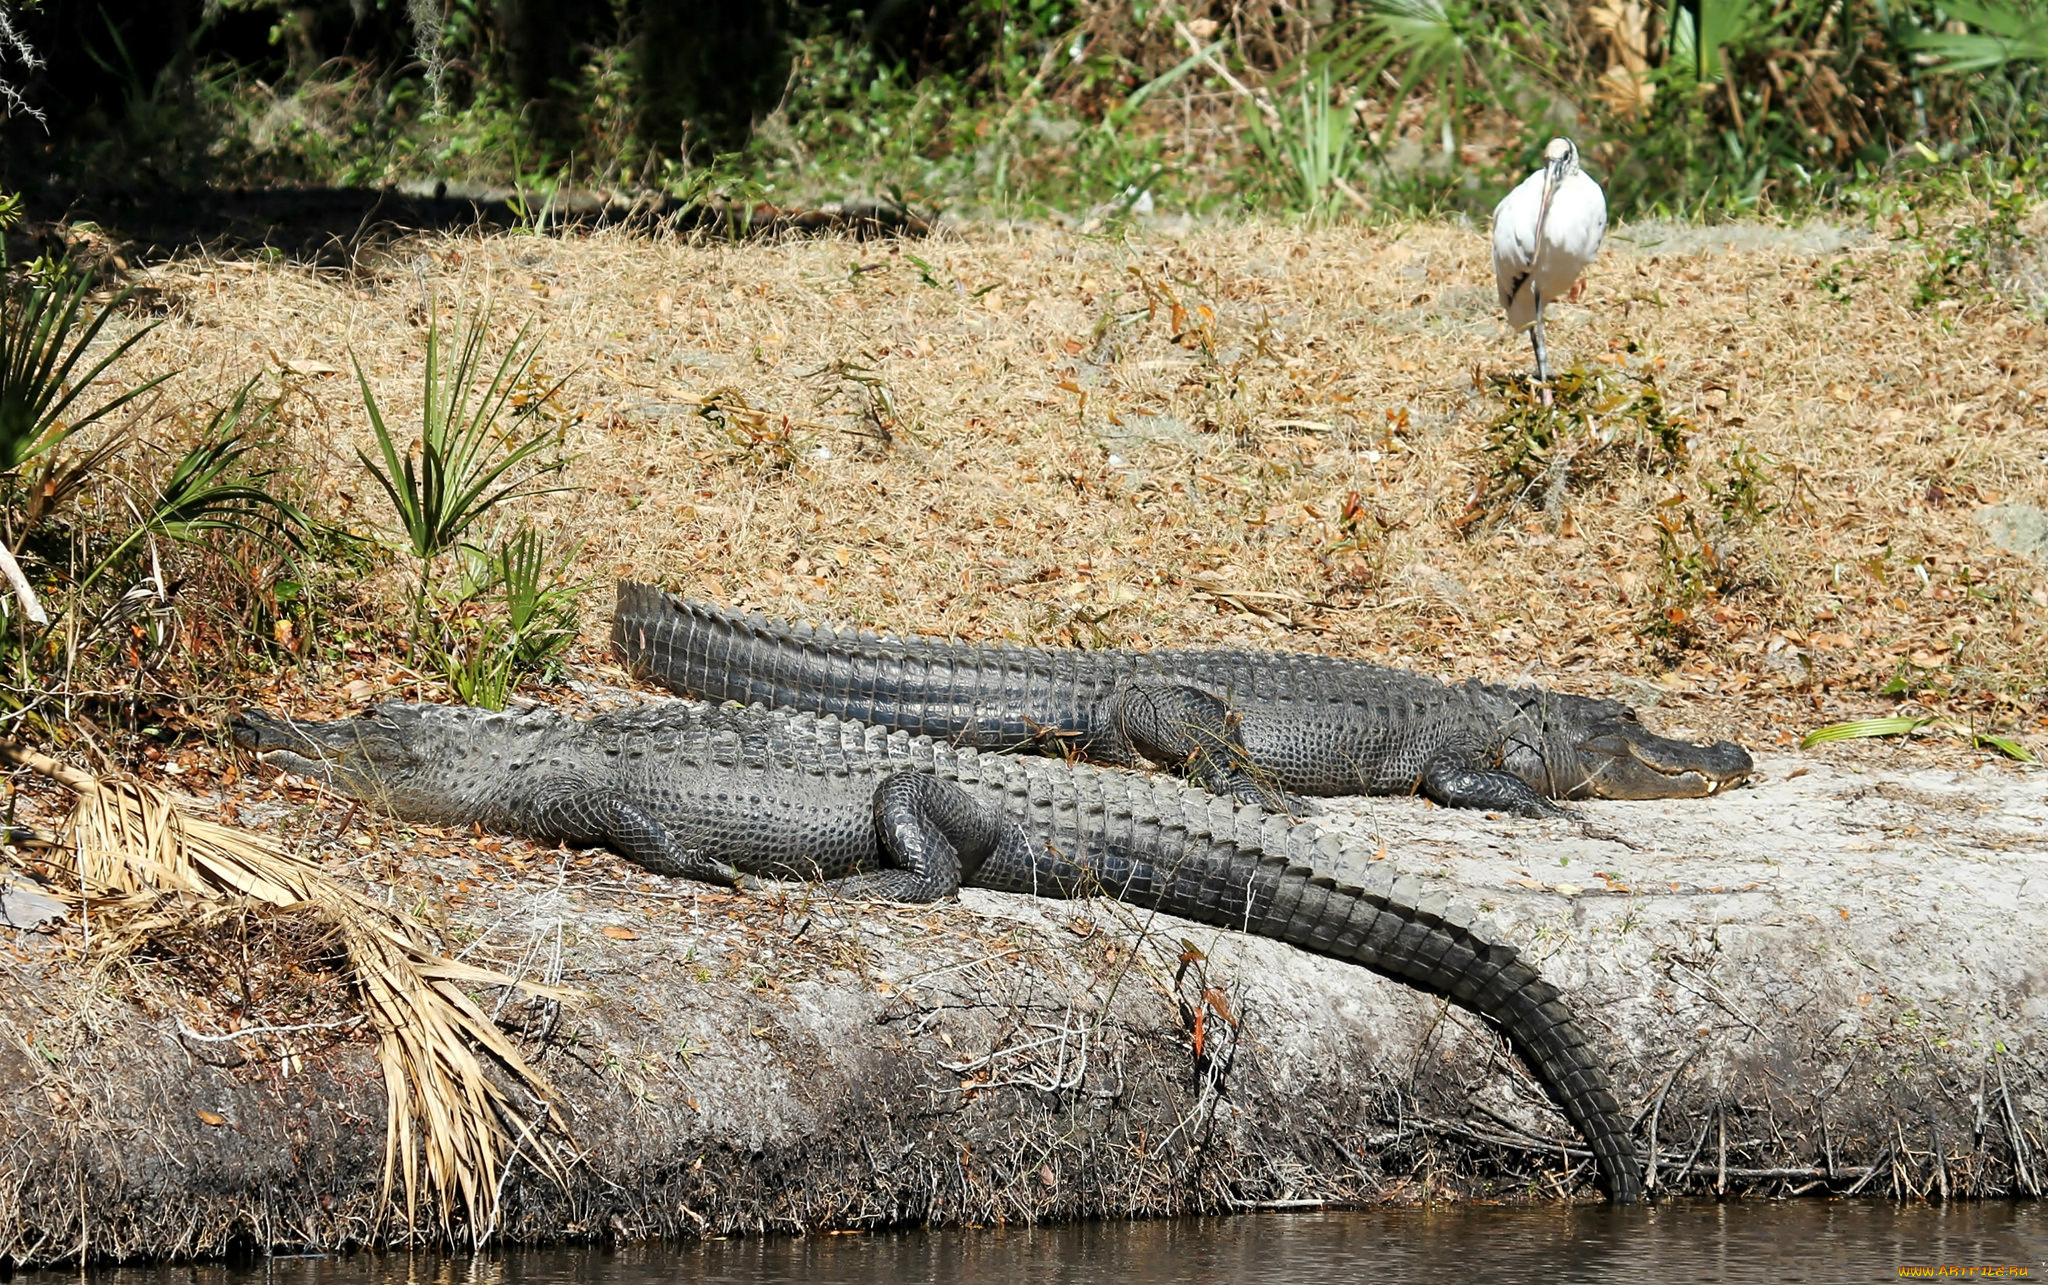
{"points": [[783, 1062]]}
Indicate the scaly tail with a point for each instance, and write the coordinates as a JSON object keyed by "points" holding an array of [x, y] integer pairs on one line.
{"points": [[1400, 929]]}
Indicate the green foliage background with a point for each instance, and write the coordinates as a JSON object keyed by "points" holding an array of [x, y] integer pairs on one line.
{"points": [[992, 105]]}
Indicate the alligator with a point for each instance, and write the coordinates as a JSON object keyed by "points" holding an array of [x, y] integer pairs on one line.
{"points": [[733, 795], [1263, 727]]}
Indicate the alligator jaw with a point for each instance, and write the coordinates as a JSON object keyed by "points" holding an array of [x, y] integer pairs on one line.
{"points": [[330, 752], [1620, 759]]}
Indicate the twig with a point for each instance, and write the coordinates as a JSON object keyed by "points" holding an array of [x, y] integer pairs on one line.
{"points": [[1940, 1154], [1788, 1175], [947, 968], [1871, 1172], [1532, 1145], [1656, 1109], [2019, 1138], [23, 593], [1721, 1166], [1351, 193], [1686, 1168], [1717, 996], [1194, 43], [187, 1032], [63, 774]]}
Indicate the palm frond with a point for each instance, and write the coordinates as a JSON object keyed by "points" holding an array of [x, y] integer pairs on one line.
{"points": [[2006, 33], [44, 336], [1906, 725], [451, 1129]]}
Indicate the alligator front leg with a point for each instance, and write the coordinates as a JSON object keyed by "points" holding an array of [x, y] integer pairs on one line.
{"points": [[1188, 729], [937, 835], [1450, 779], [592, 815]]}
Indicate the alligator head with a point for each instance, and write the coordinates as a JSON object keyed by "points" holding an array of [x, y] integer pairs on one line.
{"points": [[405, 758], [1619, 758], [1596, 749]]}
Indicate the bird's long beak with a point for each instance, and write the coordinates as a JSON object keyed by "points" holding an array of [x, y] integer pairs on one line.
{"points": [[1553, 174]]}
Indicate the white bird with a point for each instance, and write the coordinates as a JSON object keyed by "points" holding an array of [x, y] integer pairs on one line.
{"points": [[1545, 232]]}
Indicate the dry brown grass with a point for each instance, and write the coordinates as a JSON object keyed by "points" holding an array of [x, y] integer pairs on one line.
{"points": [[1155, 440]]}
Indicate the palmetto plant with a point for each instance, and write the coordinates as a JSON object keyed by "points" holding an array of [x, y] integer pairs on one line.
{"points": [[1702, 31], [466, 462], [463, 463], [483, 653], [212, 487], [1458, 52], [45, 332], [1315, 144], [2005, 33]]}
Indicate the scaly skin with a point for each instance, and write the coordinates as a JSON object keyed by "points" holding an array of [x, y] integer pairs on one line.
{"points": [[724, 793], [1260, 726]]}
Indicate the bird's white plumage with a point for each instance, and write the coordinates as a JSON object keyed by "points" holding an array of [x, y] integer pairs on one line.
{"points": [[1571, 234]]}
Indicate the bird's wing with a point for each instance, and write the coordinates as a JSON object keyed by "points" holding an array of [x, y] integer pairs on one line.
{"points": [[1586, 197], [1514, 238]]}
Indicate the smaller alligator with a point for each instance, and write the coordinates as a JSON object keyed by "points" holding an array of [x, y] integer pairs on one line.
{"points": [[722, 793], [1259, 726]]}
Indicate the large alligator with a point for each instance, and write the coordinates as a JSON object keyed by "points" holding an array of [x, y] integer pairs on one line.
{"points": [[724, 793], [1260, 726]]}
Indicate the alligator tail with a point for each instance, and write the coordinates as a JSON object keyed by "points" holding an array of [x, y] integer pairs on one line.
{"points": [[969, 695], [1401, 929], [697, 650]]}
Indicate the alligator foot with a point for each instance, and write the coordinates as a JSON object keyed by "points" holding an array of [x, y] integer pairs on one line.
{"points": [[1447, 780]]}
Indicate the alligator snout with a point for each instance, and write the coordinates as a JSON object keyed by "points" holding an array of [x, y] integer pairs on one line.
{"points": [[1623, 760], [258, 732]]}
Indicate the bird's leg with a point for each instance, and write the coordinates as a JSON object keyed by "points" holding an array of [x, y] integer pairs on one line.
{"points": [[1536, 339]]}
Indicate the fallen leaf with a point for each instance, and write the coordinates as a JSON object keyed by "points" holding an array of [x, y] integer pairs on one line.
{"points": [[618, 933], [1215, 1000], [1569, 890]]}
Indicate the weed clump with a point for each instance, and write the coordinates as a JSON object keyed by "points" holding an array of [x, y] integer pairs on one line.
{"points": [[1552, 439], [98, 538], [1990, 258], [1705, 548]]}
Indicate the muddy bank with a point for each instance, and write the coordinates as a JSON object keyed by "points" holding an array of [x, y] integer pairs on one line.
{"points": [[1832, 981]]}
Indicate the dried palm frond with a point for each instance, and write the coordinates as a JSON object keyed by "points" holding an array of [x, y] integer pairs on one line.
{"points": [[132, 851]]}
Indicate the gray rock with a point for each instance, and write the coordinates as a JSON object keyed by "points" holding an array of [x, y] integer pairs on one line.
{"points": [[2016, 528], [22, 907]]}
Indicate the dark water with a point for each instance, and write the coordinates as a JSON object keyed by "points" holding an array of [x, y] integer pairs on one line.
{"points": [[1790, 1241]]}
